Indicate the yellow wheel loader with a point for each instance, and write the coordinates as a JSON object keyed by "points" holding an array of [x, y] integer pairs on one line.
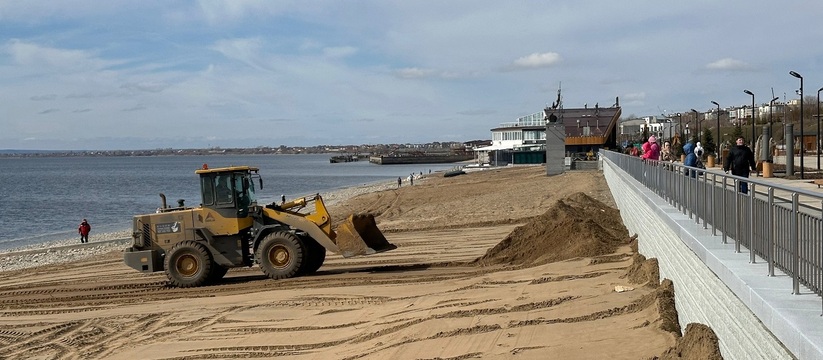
{"points": [[197, 245]]}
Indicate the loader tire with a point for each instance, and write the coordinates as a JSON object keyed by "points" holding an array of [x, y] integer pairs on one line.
{"points": [[315, 257], [188, 264], [281, 255]]}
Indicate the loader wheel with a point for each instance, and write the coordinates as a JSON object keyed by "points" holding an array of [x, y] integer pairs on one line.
{"points": [[281, 255], [188, 264], [315, 257]]}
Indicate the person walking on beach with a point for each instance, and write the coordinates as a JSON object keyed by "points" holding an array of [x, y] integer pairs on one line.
{"points": [[739, 160], [399, 182], [84, 230]]}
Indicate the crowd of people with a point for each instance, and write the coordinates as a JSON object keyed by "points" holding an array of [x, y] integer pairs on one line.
{"points": [[740, 159]]}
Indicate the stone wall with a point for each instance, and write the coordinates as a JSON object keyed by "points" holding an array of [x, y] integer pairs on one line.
{"points": [[700, 295]]}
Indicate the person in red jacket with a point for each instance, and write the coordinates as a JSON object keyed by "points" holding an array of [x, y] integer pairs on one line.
{"points": [[84, 230]]}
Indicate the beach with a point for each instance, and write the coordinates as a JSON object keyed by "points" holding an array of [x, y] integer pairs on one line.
{"points": [[503, 263]]}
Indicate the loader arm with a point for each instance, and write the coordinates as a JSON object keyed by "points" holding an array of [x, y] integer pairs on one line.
{"points": [[357, 235], [317, 224]]}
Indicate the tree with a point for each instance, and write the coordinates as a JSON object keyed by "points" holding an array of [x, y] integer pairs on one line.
{"points": [[738, 132], [708, 141]]}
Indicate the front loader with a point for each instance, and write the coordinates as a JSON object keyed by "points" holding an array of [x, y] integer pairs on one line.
{"points": [[197, 245]]}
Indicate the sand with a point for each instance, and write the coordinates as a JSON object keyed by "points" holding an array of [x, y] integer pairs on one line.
{"points": [[498, 264]]}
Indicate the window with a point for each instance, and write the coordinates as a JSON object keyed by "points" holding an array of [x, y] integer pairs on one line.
{"points": [[208, 190], [223, 189]]}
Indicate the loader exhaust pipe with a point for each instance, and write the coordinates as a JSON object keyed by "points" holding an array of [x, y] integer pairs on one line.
{"points": [[163, 201]]}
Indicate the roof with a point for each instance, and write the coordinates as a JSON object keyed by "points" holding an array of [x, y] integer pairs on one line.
{"points": [[206, 170], [493, 147]]}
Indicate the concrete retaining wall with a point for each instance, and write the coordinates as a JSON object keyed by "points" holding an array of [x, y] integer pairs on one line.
{"points": [[700, 295]]}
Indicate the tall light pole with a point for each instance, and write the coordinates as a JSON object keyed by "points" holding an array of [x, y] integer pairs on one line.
{"points": [[802, 146], [680, 124], [818, 129], [697, 122], [718, 125], [752, 94], [771, 105]]}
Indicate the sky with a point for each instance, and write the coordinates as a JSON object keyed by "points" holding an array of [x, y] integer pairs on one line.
{"points": [[105, 75]]}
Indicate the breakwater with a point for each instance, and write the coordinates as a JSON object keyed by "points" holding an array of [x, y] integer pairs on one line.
{"points": [[419, 159]]}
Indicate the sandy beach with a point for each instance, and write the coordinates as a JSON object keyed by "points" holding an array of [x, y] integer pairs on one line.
{"points": [[495, 264]]}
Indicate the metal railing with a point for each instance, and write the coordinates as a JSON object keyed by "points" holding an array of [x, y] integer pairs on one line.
{"points": [[781, 225]]}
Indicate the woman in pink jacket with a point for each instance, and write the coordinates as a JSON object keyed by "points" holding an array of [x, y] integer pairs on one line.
{"points": [[651, 150]]}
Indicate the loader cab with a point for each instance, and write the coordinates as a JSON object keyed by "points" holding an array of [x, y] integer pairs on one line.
{"points": [[229, 191]]}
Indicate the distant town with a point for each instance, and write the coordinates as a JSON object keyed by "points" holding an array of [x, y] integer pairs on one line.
{"points": [[376, 149]]}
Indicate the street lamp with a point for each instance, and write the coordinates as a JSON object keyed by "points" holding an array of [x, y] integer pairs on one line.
{"points": [[718, 123], [771, 104], [818, 129], [680, 124], [752, 94], [696, 122], [802, 145]]}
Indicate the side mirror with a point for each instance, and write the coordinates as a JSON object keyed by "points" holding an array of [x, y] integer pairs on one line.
{"points": [[260, 179]]}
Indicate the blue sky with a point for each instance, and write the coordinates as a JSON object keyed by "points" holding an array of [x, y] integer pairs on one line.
{"points": [[155, 74]]}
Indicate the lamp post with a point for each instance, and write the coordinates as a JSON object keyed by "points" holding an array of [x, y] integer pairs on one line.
{"points": [[771, 105], [802, 145], [697, 122], [818, 129], [680, 124], [718, 122], [752, 94]]}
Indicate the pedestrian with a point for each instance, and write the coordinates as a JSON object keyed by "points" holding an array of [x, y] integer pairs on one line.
{"points": [[282, 199], [691, 158], [633, 150], [84, 230], [651, 150], [740, 160], [666, 152], [399, 181]]}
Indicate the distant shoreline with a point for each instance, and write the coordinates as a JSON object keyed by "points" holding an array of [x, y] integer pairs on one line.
{"points": [[371, 150]]}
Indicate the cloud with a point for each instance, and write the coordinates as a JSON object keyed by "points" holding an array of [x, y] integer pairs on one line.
{"points": [[147, 86], [729, 64], [81, 110], [413, 73], [536, 60], [339, 52], [477, 112], [137, 107], [634, 96], [45, 58], [48, 111], [43, 97], [245, 50]]}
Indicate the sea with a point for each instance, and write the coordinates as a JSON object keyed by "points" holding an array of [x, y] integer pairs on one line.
{"points": [[45, 199]]}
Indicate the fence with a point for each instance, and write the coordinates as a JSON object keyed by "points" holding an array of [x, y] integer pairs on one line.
{"points": [[781, 225]]}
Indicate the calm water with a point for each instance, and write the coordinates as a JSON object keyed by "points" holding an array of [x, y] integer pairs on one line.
{"points": [[45, 199]]}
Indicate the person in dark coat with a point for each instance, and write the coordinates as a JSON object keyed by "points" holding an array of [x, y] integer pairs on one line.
{"points": [[740, 160], [84, 230]]}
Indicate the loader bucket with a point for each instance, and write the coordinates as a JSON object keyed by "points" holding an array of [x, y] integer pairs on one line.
{"points": [[359, 235]]}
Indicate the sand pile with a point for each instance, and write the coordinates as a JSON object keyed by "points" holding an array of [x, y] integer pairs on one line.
{"points": [[699, 343], [575, 226]]}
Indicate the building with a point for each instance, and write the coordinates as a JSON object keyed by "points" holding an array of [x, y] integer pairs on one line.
{"points": [[524, 140]]}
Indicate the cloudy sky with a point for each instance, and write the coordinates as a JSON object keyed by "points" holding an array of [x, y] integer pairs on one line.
{"points": [[242, 73]]}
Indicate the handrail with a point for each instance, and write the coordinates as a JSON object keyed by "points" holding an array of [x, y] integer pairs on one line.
{"points": [[783, 224]]}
